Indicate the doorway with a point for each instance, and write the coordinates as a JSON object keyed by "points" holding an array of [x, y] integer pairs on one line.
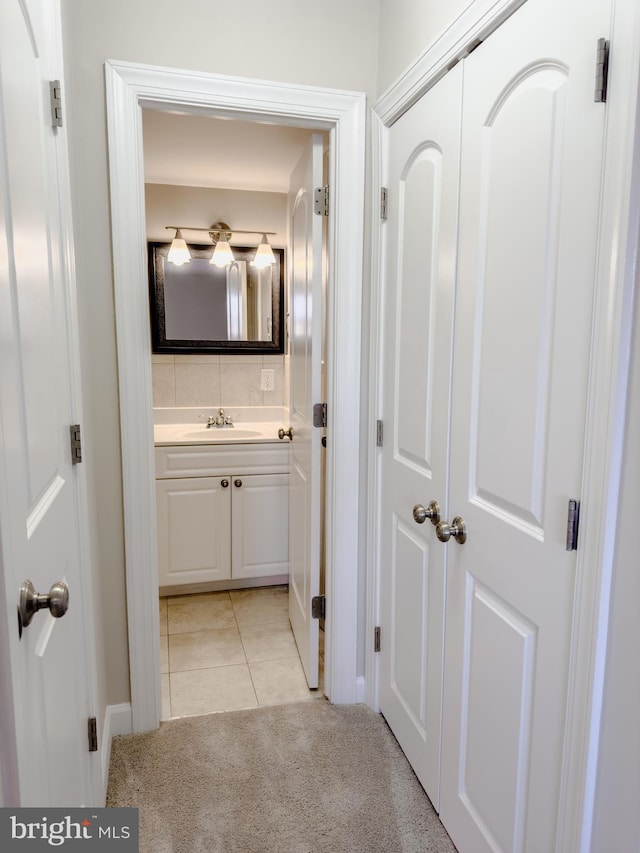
{"points": [[226, 641], [341, 114]]}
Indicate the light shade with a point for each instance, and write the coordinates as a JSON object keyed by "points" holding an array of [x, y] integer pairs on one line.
{"points": [[179, 253], [222, 254], [264, 255]]}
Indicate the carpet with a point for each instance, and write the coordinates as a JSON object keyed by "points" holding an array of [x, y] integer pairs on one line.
{"points": [[301, 778]]}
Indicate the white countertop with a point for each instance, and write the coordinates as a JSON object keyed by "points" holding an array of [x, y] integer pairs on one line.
{"points": [[251, 425]]}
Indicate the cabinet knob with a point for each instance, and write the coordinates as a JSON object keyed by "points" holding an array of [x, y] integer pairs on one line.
{"points": [[237, 483], [224, 484]]}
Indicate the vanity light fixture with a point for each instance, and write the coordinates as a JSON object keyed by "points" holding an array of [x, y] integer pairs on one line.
{"points": [[220, 234], [179, 253], [264, 254]]}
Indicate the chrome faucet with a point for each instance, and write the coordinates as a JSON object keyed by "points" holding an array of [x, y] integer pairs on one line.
{"points": [[220, 421]]}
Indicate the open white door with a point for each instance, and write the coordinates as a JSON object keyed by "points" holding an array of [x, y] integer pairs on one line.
{"points": [[46, 740], [305, 349]]}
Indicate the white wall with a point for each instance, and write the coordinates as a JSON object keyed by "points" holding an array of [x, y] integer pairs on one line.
{"points": [[285, 40], [407, 27]]}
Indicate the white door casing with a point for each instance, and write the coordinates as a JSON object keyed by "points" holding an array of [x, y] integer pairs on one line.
{"points": [[305, 364], [424, 151], [129, 86], [42, 521], [532, 141]]}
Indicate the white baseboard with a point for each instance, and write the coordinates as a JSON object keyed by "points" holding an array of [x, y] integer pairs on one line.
{"points": [[361, 692], [117, 721]]}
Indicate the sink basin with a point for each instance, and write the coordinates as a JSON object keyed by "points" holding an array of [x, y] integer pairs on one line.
{"points": [[224, 434]]}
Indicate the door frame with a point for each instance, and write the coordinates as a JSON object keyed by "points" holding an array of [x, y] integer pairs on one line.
{"points": [[616, 280], [129, 87]]}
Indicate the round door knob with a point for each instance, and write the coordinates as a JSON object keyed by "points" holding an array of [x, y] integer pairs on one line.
{"points": [[57, 602], [457, 529], [224, 484], [421, 513], [237, 483], [286, 432]]}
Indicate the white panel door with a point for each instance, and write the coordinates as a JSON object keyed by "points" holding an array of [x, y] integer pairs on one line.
{"points": [[39, 513], [305, 349], [424, 148], [530, 179]]}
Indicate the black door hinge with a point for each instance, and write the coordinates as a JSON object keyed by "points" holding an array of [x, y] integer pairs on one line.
{"points": [[93, 734], [376, 639], [318, 607]]}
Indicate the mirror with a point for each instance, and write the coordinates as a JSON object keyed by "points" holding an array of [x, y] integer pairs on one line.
{"points": [[198, 307]]}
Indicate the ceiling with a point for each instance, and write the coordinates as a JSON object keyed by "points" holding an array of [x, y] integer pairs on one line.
{"points": [[202, 151]]}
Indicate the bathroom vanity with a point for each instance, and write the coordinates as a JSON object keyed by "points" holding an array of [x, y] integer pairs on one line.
{"points": [[222, 505]]}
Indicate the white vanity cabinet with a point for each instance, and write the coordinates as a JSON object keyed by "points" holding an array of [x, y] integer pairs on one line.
{"points": [[222, 513]]}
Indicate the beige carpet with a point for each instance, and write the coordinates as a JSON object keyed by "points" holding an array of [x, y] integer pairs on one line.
{"points": [[304, 778]]}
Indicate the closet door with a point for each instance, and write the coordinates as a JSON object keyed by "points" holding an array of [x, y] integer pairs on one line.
{"points": [[418, 312], [530, 177]]}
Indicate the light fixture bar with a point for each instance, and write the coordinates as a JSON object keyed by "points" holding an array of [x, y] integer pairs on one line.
{"points": [[217, 230]]}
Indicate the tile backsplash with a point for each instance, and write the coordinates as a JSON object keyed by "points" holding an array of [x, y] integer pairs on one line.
{"points": [[216, 380]]}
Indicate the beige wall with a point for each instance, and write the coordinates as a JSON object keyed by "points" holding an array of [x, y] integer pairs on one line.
{"points": [[332, 44], [215, 380], [407, 27]]}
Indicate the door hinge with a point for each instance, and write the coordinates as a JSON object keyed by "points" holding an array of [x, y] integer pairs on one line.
{"points": [[383, 202], [93, 734], [602, 71], [321, 201], [379, 431], [320, 415], [318, 607], [573, 520], [76, 443], [55, 99], [376, 639]]}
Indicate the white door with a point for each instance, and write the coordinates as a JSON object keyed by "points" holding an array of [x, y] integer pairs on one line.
{"points": [[38, 496], [530, 179], [424, 148], [305, 350], [260, 526]]}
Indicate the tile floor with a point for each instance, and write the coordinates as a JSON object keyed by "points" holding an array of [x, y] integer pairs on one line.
{"points": [[223, 651]]}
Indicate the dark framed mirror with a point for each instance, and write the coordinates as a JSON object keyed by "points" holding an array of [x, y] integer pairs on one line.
{"points": [[197, 307]]}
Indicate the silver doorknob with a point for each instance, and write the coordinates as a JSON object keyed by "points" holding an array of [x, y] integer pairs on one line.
{"points": [[421, 513], [57, 602], [287, 432], [457, 529]]}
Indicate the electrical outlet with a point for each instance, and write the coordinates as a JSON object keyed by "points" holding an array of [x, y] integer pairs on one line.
{"points": [[267, 379]]}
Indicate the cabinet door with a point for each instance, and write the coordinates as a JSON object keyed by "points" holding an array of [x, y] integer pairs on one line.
{"points": [[194, 524], [260, 526]]}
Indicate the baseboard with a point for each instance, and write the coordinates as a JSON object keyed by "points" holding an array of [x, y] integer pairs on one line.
{"points": [[117, 721], [361, 690]]}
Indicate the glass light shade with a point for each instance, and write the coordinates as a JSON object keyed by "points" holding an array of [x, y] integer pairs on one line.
{"points": [[179, 253], [264, 255], [222, 254]]}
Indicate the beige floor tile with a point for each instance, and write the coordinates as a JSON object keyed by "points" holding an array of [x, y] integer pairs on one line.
{"points": [[200, 614], [205, 649], [164, 654], [260, 606], [268, 642], [206, 691], [280, 681], [165, 713]]}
